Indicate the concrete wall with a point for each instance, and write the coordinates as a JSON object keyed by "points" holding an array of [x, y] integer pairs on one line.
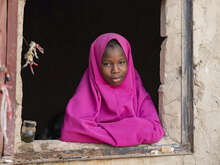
{"points": [[206, 90]]}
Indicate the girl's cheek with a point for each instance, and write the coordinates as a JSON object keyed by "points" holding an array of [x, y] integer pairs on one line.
{"points": [[109, 70]]}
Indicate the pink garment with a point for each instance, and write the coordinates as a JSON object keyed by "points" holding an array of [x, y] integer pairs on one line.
{"points": [[121, 115]]}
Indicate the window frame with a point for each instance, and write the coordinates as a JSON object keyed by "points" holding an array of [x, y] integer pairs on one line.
{"points": [[186, 145]]}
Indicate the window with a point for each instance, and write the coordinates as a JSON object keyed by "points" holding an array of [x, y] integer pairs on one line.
{"points": [[175, 110], [67, 31]]}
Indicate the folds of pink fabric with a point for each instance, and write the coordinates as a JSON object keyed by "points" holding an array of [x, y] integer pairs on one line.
{"points": [[119, 116]]}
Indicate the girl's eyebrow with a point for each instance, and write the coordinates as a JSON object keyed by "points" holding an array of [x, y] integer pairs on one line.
{"points": [[124, 58]]}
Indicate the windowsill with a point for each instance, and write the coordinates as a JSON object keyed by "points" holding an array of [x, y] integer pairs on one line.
{"points": [[55, 150], [57, 145]]}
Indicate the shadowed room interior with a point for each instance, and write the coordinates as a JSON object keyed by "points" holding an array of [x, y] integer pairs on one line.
{"points": [[66, 29]]}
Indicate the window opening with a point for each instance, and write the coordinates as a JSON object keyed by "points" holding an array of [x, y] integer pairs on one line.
{"points": [[66, 31]]}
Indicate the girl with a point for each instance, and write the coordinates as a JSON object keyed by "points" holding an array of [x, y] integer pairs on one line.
{"points": [[110, 104]]}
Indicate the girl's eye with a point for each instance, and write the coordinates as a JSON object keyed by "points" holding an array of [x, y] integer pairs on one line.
{"points": [[106, 64], [122, 62]]}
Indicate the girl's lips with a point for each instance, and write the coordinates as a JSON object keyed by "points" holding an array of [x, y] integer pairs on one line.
{"points": [[116, 79]]}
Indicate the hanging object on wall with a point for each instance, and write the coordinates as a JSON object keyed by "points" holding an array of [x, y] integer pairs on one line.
{"points": [[7, 76], [31, 54], [6, 110], [6, 72], [6, 107]]}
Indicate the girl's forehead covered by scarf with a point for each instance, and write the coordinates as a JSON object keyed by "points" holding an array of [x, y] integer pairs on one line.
{"points": [[100, 43]]}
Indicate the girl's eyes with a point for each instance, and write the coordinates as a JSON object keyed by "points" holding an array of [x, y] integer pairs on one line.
{"points": [[107, 64]]}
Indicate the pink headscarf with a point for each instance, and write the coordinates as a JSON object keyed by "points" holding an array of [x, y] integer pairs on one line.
{"points": [[121, 115]]}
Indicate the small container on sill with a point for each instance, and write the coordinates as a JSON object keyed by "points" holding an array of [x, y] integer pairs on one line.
{"points": [[28, 131]]}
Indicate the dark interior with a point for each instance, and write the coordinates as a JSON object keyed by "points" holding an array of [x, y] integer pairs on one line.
{"points": [[65, 29]]}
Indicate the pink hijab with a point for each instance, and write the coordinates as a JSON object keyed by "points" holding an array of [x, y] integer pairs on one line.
{"points": [[121, 115]]}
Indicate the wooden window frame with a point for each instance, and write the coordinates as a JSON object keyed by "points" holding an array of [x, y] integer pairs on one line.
{"points": [[107, 152]]}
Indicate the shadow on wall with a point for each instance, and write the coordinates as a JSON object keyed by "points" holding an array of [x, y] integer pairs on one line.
{"points": [[65, 31]]}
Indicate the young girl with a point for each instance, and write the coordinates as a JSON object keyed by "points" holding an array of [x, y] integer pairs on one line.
{"points": [[110, 104]]}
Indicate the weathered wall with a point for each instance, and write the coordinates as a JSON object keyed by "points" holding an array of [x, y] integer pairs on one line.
{"points": [[170, 65], [206, 90], [18, 76]]}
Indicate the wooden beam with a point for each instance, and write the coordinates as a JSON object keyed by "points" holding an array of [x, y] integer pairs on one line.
{"points": [[11, 65], [94, 153], [187, 73], [3, 31]]}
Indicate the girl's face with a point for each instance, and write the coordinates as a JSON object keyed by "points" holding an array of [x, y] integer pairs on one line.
{"points": [[114, 65]]}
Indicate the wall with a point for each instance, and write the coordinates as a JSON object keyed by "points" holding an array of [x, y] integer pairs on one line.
{"points": [[206, 90]]}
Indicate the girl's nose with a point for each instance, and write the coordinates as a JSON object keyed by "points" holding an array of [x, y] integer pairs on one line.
{"points": [[115, 68]]}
